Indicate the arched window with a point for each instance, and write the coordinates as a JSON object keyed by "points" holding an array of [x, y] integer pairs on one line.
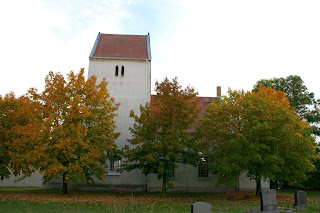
{"points": [[122, 71], [117, 71]]}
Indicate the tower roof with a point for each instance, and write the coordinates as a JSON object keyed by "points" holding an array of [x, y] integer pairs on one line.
{"points": [[121, 46]]}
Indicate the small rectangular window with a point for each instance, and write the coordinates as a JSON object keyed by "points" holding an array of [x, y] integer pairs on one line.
{"points": [[115, 164], [203, 170]]}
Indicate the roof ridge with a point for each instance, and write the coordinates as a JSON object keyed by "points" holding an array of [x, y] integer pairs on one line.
{"points": [[122, 34]]}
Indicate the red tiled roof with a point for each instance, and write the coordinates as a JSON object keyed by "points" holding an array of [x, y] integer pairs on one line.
{"points": [[203, 104], [122, 46]]}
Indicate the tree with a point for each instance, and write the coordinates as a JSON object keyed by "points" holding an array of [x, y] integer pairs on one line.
{"points": [[160, 137], [299, 96], [257, 133], [313, 177], [19, 130], [77, 129], [8, 105]]}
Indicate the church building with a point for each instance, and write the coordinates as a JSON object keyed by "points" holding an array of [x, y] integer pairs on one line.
{"points": [[125, 62]]}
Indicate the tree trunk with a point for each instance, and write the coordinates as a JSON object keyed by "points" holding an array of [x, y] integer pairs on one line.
{"points": [[164, 183], [64, 184], [258, 186]]}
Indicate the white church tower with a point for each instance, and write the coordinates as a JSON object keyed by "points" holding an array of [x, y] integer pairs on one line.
{"points": [[125, 62]]}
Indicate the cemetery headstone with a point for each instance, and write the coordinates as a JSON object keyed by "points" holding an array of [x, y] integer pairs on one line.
{"points": [[201, 207], [268, 199], [300, 198], [289, 211]]}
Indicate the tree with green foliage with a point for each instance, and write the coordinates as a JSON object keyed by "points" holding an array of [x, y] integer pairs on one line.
{"points": [[257, 133], [300, 98], [305, 105], [313, 182], [160, 137]]}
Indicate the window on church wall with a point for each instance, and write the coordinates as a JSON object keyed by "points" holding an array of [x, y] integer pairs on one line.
{"points": [[122, 71], [203, 170], [173, 173], [114, 164], [117, 71]]}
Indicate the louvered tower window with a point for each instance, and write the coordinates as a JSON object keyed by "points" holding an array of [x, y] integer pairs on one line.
{"points": [[122, 71], [117, 71]]}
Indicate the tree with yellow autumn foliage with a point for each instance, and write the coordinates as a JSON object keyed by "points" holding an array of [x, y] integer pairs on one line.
{"points": [[20, 128], [257, 133], [8, 106], [76, 130]]}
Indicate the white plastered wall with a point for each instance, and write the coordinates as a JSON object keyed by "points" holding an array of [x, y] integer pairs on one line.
{"points": [[130, 90], [34, 180], [187, 180], [247, 184]]}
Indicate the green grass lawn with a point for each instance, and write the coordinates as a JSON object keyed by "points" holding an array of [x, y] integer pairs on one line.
{"points": [[33, 199]]}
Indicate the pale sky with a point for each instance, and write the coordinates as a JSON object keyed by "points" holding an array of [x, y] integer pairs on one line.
{"points": [[205, 43]]}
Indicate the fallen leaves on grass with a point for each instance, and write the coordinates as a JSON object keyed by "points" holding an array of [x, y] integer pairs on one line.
{"points": [[127, 198], [114, 198]]}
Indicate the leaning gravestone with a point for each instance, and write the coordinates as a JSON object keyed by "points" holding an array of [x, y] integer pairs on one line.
{"points": [[268, 199], [300, 198], [201, 207]]}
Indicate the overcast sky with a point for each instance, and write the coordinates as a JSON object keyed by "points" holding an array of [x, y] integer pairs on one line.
{"points": [[205, 43]]}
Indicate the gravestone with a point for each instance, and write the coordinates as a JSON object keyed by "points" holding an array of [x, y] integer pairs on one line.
{"points": [[300, 198], [268, 199], [201, 207]]}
